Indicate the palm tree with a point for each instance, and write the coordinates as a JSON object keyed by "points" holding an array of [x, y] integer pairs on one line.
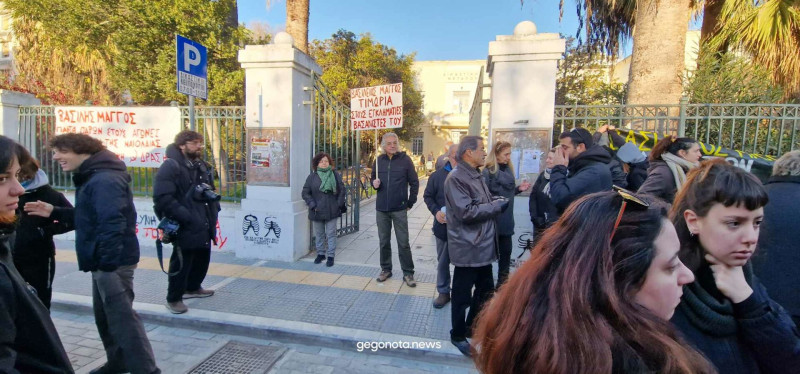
{"points": [[297, 12]]}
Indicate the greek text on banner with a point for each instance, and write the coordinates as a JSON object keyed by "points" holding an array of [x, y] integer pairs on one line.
{"points": [[138, 135], [377, 107]]}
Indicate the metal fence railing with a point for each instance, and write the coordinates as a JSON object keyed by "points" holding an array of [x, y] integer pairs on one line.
{"points": [[766, 129], [222, 127]]}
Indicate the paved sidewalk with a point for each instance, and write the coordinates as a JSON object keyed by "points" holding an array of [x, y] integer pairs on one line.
{"points": [[339, 305]]}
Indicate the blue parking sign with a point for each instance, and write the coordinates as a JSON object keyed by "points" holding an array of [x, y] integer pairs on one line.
{"points": [[192, 64]]}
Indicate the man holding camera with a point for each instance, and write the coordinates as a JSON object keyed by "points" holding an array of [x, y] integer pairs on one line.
{"points": [[184, 192]]}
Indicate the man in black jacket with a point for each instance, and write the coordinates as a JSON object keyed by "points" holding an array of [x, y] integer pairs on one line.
{"points": [[180, 192], [104, 218], [587, 173], [397, 185], [434, 199]]}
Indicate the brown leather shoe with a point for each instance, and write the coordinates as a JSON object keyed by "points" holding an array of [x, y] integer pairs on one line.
{"points": [[441, 300], [409, 279], [384, 275], [177, 307], [198, 294]]}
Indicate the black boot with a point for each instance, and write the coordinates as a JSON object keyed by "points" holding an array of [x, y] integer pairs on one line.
{"points": [[319, 259]]}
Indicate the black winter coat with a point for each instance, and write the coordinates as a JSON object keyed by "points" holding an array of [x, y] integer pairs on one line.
{"points": [[29, 342], [324, 206], [104, 216], [434, 199], [588, 173], [660, 182], [543, 211], [399, 183], [777, 260], [503, 184], [637, 175], [35, 234], [175, 198], [754, 336]]}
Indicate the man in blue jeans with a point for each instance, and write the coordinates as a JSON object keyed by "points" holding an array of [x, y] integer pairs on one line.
{"points": [[397, 185], [434, 199]]}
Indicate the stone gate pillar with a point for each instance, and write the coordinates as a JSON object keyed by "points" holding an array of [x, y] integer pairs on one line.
{"points": [[274, 218], [10, 101], [523, 69]]}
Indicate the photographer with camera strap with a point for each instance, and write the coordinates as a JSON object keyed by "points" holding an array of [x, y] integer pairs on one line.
{"points": [[184, 193]]}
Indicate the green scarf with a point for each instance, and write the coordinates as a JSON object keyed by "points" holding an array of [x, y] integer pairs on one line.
{"points": [[328, 184]]}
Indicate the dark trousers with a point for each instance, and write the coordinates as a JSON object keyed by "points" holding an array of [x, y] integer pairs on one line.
{"points": [[119, 326], [399, 219], [193, 271], [39, 274], [462, 298], [504, 258]]}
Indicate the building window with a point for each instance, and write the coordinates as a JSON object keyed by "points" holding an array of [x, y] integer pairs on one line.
{"points": [[456, 135], [460, 102], [416, 144]]}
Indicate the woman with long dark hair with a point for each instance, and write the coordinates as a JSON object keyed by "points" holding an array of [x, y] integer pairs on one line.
{"points": [[29, 342], [726, 313], [324, 193], [670, 160], [595, 296], [499, 175]]}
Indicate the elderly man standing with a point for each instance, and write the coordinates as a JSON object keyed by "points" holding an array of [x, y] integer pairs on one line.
{"points": [[471, 237], [397, 185], [434, 199]]}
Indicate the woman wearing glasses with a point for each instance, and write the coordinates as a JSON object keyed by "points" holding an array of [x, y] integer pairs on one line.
{"points": [[726, 313], [670, 160], [595, 296]]}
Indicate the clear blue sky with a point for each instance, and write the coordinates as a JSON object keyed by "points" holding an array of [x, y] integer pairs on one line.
{"points": [[434, 29]]}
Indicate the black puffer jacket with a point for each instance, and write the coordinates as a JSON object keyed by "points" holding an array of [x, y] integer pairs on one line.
{"points": [[503, 184], [637, 174], [29, 342], [399, 183], [175, 197], [588, 173], [324, 206], [104, 215], [34, 233], [543, 211], [434, 199]]}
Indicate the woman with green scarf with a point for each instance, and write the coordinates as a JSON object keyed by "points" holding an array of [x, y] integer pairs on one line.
{"points": [[324, 193]]}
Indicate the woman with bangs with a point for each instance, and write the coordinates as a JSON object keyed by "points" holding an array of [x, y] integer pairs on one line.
{"points": [[726, 313], [596, 296]]}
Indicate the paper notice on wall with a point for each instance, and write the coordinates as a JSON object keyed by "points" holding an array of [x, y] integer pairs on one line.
{"points": [[531, 158]]}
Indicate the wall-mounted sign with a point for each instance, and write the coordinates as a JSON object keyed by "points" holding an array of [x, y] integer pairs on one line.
{"points": [[268, 156]]}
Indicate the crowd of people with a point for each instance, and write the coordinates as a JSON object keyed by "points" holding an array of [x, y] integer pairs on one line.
{"points": [[696, 272]]}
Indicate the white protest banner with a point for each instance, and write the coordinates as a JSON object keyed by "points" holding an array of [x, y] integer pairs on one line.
{"points": [[377, 107], [138, 135]]}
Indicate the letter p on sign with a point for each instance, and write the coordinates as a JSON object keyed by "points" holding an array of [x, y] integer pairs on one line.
{"points": [[191, 57]]}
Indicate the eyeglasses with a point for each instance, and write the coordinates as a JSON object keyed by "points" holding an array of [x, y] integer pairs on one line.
{"points": [[627, 196]]}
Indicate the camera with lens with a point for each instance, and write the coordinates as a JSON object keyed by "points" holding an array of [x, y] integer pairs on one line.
{"points": [[204, 192], [168, 228]]}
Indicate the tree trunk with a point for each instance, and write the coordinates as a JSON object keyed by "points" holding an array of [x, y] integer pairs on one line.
{"points": [[657, 61], [711, 12], [297, 23]]}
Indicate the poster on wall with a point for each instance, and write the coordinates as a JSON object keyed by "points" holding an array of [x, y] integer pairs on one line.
{"points": [[138, 135], [528, 151], [268, 156]]}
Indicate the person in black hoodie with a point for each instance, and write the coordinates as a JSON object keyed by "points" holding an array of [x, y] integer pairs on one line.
{"points": [[398, 185], [104, 218], [726, 313], [434, 199], [581, 168], [29, 342], [180, 192], [325, 195], [34, 250]]}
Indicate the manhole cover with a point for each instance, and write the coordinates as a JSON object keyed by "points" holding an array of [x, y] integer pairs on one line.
{"points": [[237, 357]]}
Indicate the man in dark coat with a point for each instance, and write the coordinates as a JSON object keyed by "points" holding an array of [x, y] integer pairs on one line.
{"points": [[104, 218], [471, 237], [29, 342], [181, 192], [397, 185], [34, 250], [581, 168], [434, 199], [777, 261]]}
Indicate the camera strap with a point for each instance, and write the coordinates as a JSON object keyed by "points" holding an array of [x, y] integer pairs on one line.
{"points": [[160, 251]]}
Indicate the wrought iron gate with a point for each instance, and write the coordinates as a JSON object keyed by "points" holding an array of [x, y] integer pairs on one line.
{"points": [[330, 124]]}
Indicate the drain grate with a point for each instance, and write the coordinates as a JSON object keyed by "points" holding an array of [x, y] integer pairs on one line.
{"points": [[237, 357]]}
